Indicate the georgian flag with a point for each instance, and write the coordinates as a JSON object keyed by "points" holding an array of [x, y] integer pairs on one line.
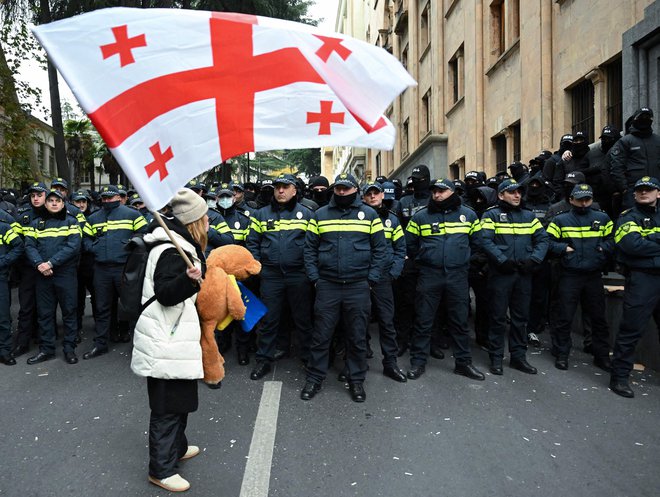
{"points": [[176, 92]]}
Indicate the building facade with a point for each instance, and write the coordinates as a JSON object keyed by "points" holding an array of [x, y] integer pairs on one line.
{"points": [[501, 80]]}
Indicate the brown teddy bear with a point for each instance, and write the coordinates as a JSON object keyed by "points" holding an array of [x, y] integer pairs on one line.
{"points": [[219, 298]]}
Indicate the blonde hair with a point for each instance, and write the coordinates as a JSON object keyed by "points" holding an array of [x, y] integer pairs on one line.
{"points": [[197, 230]]}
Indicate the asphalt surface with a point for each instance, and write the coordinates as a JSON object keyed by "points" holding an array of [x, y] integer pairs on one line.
{"points": [[82, 430]]}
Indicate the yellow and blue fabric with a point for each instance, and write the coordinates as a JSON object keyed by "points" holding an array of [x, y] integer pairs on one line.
{"points": [[11, 248], [53, 238], [238, 222], [396, 244], [277, 237], [637, 238], [510, 233], [219, 233], [108, 230], [589, 233], [5, 217], [442, 239], [345, 244]]}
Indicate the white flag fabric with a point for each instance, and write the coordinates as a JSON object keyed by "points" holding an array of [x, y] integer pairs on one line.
{"points": [[175, 92]]}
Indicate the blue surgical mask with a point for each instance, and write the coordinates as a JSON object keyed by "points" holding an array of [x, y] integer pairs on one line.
{"points": [[212, 203], [225, 202]]}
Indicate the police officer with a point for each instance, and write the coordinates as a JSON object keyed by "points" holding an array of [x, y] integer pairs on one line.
{"points": [[52, 246], [219, 233], [109, 228], [276, 239], [345, 253], [516, 244], [27, 298], [239, 198], [438, 240], [11, 250], [85, 266], [136, 202], [637, 239], [382, 295], [582, 238]]}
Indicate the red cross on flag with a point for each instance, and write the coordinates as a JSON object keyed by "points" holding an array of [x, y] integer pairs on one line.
{"points": [[176, 92]]}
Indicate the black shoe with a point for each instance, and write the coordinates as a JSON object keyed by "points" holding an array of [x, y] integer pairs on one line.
{"points": [[436, 352], [357, 392], [7, 360], [522, 365], [243, 358], [19, 350], [588, 349], [40, 357], [260, 370], [621, 387], [78, 338], [415, 372], [309, 390], [469, 371], [603, 363], [395, 373], [496, 367], [561, 363], [95, 352], [71, 358], [279, 354], [343, 376]]}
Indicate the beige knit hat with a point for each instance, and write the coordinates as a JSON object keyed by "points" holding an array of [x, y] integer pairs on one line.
{"points": [[187, 206]]}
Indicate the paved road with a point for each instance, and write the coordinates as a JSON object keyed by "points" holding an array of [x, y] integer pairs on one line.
{"points": [[81, 430]]}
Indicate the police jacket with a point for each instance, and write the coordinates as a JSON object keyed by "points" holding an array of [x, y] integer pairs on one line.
{"points": [[512, 233], [345, 244], [277, 237], [109, 229], [219, 233], [54, 238], [238, 222], [588, 232], [637, 238], [440, 235], [11, 248], [634, 156], [396, 243], [5, 217], [410, 204], [25, 214]]}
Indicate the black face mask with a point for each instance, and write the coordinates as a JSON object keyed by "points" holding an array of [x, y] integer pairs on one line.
{"points": [[421, 184], [249, 196], [344, 201], [320, 197], [580, 150], [607, 143], [564, 146], [581, 210], [643, 123], [534, 191], [108, 206]]}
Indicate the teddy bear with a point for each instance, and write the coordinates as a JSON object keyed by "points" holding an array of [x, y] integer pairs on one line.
{"points": [[219, 299]]}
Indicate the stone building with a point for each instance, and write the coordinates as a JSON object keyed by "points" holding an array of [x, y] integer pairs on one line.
{"points": [[500, 80]]}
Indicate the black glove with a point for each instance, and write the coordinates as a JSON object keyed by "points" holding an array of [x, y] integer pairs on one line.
{"points": [[214, 386], [529, 266], [508, 267]]}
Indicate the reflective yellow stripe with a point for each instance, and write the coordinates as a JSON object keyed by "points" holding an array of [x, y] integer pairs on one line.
{"points": [[330, 228], [139, 222], [511, 228], [313, 227], [553, 230], [280, 225], [446, 228], [256, 226], [413, 227], [80, 217], [398, 233], [62, 231], [632, 227], [580, 231], [222, 227], [8, 236], [476, 226], [16, 226]]}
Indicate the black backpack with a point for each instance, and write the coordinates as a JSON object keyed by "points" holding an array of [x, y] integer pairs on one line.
{"points": [[130, 307]]}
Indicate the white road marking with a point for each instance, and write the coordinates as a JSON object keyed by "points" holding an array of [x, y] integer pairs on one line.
{"points": [[256, 479]]}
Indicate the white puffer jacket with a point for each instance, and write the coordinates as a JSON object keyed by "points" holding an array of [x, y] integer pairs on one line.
{"points": [[166, 340]]}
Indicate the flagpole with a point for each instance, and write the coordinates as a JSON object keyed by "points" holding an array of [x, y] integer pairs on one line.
{"points": [[174, 241]]}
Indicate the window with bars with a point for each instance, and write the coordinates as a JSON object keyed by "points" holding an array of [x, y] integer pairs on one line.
{"points": [[615, 93], [515, 133], [404, 57], [499, 145], [425, 27], [455, 75], [582, 102], [497, 24], [404, 138], [425, 118], [51, 160]]}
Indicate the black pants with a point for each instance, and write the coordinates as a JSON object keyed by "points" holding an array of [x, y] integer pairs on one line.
{"points": [[382, 299], [434, 285], [641, 300], [85, 284], [586, 288], [27, 300], [277, 293], [540, 298], [508, 292], [350, 301], [479, 284], [167, 443], [61, 288], [107, 281], [5, 316], [404, 302]]}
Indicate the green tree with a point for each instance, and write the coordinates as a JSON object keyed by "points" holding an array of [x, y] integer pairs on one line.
{"points": [[305, 161], [82, 147]]}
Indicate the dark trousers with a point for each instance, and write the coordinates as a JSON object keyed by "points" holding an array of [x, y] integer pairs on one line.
{"points": [[508, 292], [404, 301], [27, 300], [5, 317], [52, 290], [538, 308], [434, 285], [479, 285], [85, 284], [641, 300], [588, 289], [167, 443], [107, 280], [278, 292], [382, 299], [351, 302]]}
